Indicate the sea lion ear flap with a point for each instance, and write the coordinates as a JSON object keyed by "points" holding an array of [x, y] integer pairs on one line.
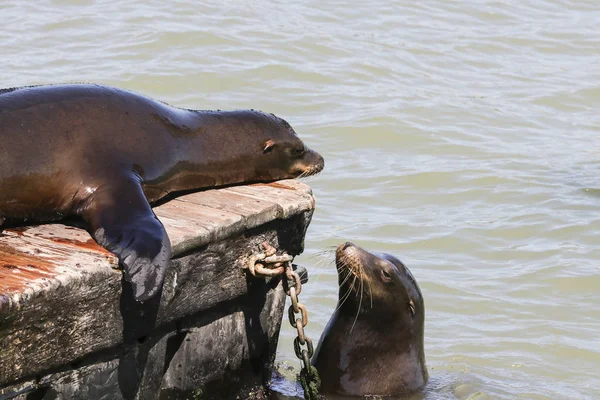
{"points": [[268, 146]]}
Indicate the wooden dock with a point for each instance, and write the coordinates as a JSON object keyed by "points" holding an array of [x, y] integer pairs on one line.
{"points": [[69, 327]]}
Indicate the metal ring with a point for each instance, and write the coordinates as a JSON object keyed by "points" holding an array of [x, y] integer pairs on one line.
{"points": [[281, 258], [292, 316], [306, 360], [298, 283], [300, 330], [304, 314], [289, 270], [297, 349], [311, 349], [261, 270], [270, 250], [294, 298], [252, 262]]}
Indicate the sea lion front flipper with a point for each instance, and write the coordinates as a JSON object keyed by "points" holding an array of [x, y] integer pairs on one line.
{"points": [[121, 220]]}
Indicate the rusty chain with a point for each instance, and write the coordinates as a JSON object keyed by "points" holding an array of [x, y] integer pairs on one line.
{"points": [[268, 264]]}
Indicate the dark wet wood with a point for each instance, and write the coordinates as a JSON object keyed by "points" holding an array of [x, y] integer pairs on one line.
{"points": [[61, 311]]}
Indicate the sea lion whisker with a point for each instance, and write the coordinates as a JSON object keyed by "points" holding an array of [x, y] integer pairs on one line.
{"points": [[323, 263], [321, 258], [305, 174], [341, 266], [320, 254], [359, 304], [370, 293], [328, 251], [320, 262], [317, 276], [301, 175], [360, 279], [348, 275], [315, 171], [310, 172], [353, 282], [346, 267], [341, 301], [345, 261], [368, 284], [351, 289], [325, 258], [346, 295]]}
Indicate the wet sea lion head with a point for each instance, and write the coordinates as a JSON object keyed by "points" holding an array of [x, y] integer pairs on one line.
{"points": [[380, 281], [284, 155], [265, 146]]}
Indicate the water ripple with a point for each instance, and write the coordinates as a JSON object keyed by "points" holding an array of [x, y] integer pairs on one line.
{"points": [[463, 138]]}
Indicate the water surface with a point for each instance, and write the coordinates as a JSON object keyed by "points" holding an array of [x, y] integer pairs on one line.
{"points": [[461, 137]]}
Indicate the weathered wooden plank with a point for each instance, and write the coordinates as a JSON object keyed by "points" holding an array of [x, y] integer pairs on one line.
{"points": [[60, 291], [41, 257], [183, 234], [290, 198], [254, 211], [202, 225]]}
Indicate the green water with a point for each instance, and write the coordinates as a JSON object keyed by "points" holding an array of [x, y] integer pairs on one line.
{"points": [[461, 137]]}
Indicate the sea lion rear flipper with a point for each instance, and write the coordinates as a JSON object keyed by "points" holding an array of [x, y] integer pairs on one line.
{"points": [[121, 220]]}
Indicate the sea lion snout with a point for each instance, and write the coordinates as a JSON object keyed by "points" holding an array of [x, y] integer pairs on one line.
{"points": [[310, 163], [344, 246], [356, 258], [341, 249], [283, 155], [347, 258]]}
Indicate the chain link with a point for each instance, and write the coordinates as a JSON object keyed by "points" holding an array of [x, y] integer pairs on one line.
{"points": [[309, 376], [267, 264]]}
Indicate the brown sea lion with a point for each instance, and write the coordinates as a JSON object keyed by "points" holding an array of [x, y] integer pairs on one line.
{"points": [[373, 343], [105, 154]]}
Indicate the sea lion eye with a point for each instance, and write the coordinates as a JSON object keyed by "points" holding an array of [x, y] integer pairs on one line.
{"points": [[386, 276], [269, 145], [299, 150], [411, 306]]}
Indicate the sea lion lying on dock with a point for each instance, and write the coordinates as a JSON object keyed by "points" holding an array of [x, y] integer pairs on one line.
{"points": [[106, 154]]}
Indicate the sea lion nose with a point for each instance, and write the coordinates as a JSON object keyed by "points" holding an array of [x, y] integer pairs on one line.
{"points": [[346, 245], [320, 162]]}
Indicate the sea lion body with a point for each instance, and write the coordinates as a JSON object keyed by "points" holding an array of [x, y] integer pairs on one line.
{"points": [[104, 154], [373, 344]]}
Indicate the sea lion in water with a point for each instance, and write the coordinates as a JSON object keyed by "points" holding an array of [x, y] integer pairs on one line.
{"points": [[373, 343], [105, 154]]}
